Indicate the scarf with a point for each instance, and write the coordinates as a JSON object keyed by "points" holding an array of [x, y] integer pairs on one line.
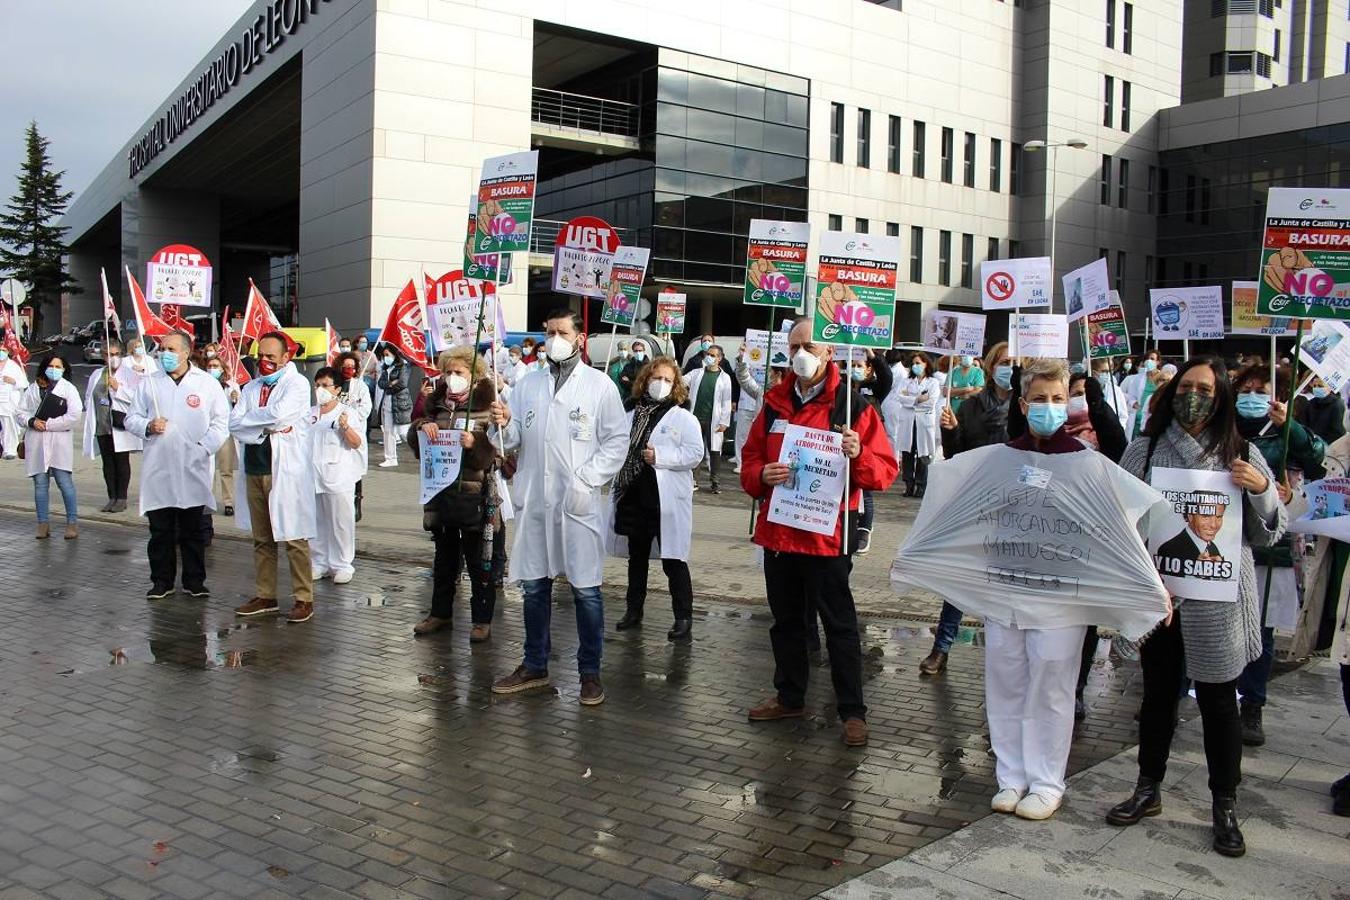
{"points": [[646, 413], [1079, 425]]}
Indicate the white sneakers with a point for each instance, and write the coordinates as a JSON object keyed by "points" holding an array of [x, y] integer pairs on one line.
{"points": [[389, 464], [343, 577], [1037, 806], [318, 574], [1006, 800]]}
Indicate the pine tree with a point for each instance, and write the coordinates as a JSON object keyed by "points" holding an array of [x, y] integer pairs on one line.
{"points": [[31, 243]]}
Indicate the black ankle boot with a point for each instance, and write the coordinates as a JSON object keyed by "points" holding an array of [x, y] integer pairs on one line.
{"points": [[682, 633], [1146, 801], [1227, 836], [631, 619], [1253, 734]]}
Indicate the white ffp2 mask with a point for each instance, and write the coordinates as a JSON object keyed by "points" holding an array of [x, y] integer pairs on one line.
{"points": [[805, 365]]}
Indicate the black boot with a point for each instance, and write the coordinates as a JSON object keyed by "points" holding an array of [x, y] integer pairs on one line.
{"points": [[1146, 801], [358, 501], [631, 619], [1227, 836], [1079, 707], [682, 633], [1253, 735], [909, 489]]}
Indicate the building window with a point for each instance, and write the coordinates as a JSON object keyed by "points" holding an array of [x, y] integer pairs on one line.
{"points": [[1014, 249], [1186, 270], [995, 165], [918, 152], [893, 145], [967, 260], [836, 222], [1125, 90], [970, 160], [1347, 57], [1108, 101], [1120, 270], [1015, 170], [1106, 180], [1127, 29], [1267, 8], [1239, 63], [1275, 47], [864, 137], [948, 151], [1123, 183], [1152, 201], [1215, 65], [1163, 200], [836, 132], [945, 258], [915, 254], [1262, 65], [1205, 199], [1111, 24], [860, 226], [991, 251], [1103, 253], [1190, 198], [893, 229]]}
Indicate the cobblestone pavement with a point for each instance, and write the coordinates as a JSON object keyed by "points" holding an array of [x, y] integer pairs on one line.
{"points": [[165, 749]]}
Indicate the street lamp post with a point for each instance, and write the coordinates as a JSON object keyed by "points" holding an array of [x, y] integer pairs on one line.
{"points": [[1036, 147]]}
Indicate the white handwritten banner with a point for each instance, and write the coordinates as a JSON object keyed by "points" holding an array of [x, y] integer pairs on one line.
{"points": [[809, 500]]}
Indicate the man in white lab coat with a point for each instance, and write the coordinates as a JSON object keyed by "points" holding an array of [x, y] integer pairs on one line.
{"points": [[182, 414], [710, 401], [271, 425], [568, 424], [338, 452], [1116, 400], [13, 383]]}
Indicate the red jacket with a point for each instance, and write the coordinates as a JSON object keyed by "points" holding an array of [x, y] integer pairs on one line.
{"points": [[873, 470]]}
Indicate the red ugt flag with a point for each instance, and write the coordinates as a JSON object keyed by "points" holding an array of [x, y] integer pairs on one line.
{"points": [[109, 308], [404, 330], [172, 314], [17, 351], [333, 349], [229, 356], [258, 317]]}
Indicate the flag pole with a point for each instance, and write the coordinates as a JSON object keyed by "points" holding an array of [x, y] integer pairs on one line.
{"points": [[847, 385]]}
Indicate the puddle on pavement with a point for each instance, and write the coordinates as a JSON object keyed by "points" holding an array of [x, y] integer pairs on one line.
{"points": [[374, 599], [115, 551]]}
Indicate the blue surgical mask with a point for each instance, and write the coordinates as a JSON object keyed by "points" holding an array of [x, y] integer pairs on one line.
{"points": [[1045, 419], [704, 345], [967, 361], [917, 369], [1252, 405], [169, 360], [1150, 365], [1127, 365], [1104, 379], [361, 345], [4, 355], [217, 374], [1003, 377], [640, 355], [54, 374], [1077, 369], [272, 379], [857, 373], [388, 360], [1320, 393]]}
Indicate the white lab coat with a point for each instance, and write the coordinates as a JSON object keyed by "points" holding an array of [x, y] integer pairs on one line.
{"points": [[721, 411], [285, 422], [571, 444], [513, 372], [180, 465], [910, 412], [1133, 386], [123, 441], [53, 448], [358, 398], [11, 395], [678, 442], [1117, 401], [337, 467]]}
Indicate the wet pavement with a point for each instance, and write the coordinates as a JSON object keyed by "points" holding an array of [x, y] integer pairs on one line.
{"points": [[165, 749]]}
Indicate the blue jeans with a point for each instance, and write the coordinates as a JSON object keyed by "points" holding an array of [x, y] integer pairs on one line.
{"points": [[42, 493], [865, 520], [1253, 680], [949, 625], [539, 616]]}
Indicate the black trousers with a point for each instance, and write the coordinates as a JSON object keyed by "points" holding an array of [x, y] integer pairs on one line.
{"points": [[116, 468], [714, 456], [1163, 657], [1090, 641], [914, 468], [792, 580], [677, 576], [175, 534], [451, 545]]}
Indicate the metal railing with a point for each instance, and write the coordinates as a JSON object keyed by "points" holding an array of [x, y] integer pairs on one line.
{"points": [[544, 234], [578, 111]]}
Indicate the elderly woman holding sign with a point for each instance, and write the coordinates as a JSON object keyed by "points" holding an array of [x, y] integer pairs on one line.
{"points": [[1193, 427]]}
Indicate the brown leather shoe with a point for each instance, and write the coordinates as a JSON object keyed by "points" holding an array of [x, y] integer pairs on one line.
{"points": [[855, 733], [522, 679], [771, 710], [44, 531], [592, 692], [934, 664], [72, 532], [300, 612], [431, 625], [479, 633], [257, 607]]}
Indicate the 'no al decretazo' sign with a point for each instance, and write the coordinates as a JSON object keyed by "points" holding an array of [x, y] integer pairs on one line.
{"points": [[1305, 254], [178, 274]]}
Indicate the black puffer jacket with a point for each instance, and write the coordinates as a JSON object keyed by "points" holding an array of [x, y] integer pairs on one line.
{"points": [[981, 420], [393, 381]]}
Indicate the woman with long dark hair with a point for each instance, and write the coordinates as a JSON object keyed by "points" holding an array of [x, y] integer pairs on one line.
{"points": [[1193, 426], [50, 408]]}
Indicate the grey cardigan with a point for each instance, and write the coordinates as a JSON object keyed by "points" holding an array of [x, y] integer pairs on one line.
{"points": [[1220, 638]]}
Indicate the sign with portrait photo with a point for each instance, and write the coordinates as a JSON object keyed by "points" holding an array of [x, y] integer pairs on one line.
{"points": [[1087, 289], [953, 333], [1197, 542]]}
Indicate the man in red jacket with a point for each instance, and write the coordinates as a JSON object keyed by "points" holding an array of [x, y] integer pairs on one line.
{"points": [[800, 564]]}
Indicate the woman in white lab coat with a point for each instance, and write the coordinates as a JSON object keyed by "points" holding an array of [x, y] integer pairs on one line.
{"points": [[49, 451], [13, 382], [916, 425], [653, 495], [107, 399], [338, 451]]}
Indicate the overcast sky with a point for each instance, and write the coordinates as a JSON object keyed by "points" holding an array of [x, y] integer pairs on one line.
{"points": [[92, 71]]}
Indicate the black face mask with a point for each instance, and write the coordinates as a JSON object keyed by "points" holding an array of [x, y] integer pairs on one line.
{"points": [[1192, 408]]}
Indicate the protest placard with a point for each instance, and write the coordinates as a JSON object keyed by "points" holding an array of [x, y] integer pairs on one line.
{"points": [[1040, 334], [453, 305], [1187, 314], [775, 265], [1107, 333], [855, 291], [1196, 538], [624, 290], [670, 312], [1246, 320], [954, 334], [1328, 510], [1042, 540], [178, 274], [1010, 284], [1326, 351], [505, 202], [441, 458], [810, 499], [582, 256], [1305, 254], [494, 267], [1086, 289]]}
